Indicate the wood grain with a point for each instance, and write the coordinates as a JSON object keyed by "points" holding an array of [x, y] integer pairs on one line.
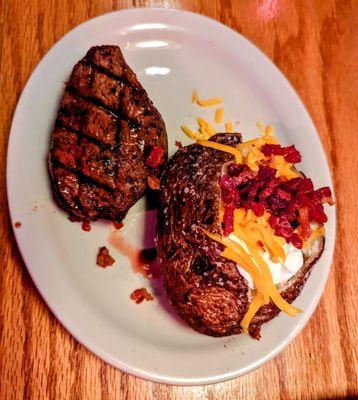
{"points": [[315, 43]]}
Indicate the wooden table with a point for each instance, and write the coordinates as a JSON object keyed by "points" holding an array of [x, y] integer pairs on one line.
{"points": [[315, 43]]}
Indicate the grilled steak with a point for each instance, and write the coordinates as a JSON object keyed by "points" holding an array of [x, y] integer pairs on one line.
{"points": [[206, 289], [108, 138]]}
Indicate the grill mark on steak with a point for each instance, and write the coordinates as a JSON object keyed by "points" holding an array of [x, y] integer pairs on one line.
{"points": [[88, 118], [91, 139], [97, 102], [132, 81], [103, 183], [106, 126], [96, 86]]}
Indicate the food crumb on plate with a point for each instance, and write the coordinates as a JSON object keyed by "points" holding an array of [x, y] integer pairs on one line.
{"points": [[118, 225], [17, 224], [86, 226], [104, 259], [139, 295], [178, 144]]}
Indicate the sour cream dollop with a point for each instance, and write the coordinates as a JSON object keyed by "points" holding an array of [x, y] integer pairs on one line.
{"points": [[281, 272]]}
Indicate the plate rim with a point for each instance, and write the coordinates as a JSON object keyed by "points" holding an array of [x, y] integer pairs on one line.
{"points": [[72, 330]]}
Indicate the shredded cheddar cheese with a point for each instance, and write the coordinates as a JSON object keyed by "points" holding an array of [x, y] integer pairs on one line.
{"points": [[233, 251], [268, 130], [205, 128], [283, 167], [267, 237], [239, 215], [249, 267], [222, 147], [249, 143], [245, 236], [261, 126], [194, 97], [229, 127], [214, 101], [253, 262], [190, 133], [253, 158], [254, 232], [219, 115], [255, 305], [271, 287]]}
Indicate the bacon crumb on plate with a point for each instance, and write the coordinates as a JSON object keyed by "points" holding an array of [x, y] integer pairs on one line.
{"points": [[139, 295], [104, 259], [17, 224], [178, 144], [118, 225], [86, 226]]}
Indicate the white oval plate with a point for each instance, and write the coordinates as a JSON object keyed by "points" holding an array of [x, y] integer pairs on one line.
{"points": [[172, 53]]}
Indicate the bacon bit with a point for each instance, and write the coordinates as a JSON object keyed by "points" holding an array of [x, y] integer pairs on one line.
{"points": [[86, 226], [292, 204], [328, 200], [303, 219], [296, 241], [139, 295], [118, 225], [228, 218], [179, 144], [260, 244], [324, 195], [156, 157], [290, 153], [74, 218], [153, 183], [258, 209], [104, 259], [281, 226], [17, 224]]}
